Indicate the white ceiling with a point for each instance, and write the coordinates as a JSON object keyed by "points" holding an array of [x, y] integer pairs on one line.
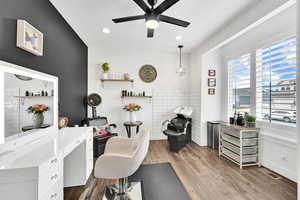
{"points": [[88, 17]]}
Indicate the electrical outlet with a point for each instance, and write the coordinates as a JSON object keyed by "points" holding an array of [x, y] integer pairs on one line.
{"points": [[284, 158]]}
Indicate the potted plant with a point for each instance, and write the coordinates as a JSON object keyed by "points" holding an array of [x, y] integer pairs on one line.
{"points": [[38, 113], [250, 120], [105, 68], [132, 108]]}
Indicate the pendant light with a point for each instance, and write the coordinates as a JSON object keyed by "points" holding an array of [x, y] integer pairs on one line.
{"points": [[180, 70]]}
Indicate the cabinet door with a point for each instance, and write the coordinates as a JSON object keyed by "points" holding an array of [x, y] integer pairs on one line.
{"points": [[89, 156]]}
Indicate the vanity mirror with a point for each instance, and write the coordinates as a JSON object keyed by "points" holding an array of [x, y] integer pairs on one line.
{"points": [[28, 104]]}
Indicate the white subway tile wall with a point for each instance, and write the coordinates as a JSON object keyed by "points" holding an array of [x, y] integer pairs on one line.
{"points": [[164, 103], [195, 103]]}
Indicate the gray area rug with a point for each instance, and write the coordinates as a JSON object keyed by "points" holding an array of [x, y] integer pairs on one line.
{"points": [[160, 182]]}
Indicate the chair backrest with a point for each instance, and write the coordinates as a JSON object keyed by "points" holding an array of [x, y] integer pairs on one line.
{"points": [[141, 145]]}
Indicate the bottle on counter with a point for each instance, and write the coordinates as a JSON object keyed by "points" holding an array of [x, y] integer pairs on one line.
{"points": [[26, 93]]}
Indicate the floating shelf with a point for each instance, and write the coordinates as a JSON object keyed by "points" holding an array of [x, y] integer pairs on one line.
{"points": [[117, 80], [141, 97], [136, 97], [29, 97]]}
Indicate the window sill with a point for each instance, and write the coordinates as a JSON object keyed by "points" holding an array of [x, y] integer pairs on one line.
{"points": [[277, 125], [278, 130]]}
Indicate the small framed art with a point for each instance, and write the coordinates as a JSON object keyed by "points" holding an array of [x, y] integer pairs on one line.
{"points": [[29, 38], [212, 72], [211, 91], [212, 82]]}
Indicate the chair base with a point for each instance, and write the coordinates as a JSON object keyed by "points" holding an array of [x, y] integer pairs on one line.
{"points": [[133, 192]]}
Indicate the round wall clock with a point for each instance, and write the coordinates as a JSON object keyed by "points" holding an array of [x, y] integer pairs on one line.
{"points": [[148, 73]]}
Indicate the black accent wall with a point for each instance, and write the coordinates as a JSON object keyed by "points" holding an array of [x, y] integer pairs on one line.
{"points": [[65, 55]]}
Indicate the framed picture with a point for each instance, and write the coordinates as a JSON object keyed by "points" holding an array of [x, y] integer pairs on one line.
{"points": [[29, 38], [63, 122], [211, 91], [212, 82], [211, 72]]}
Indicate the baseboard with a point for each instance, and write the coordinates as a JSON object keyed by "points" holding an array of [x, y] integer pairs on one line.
{"points": [[162, 137]]}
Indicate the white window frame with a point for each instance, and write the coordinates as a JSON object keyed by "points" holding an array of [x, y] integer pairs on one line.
{"points": [[271, 126], [263, 123]]}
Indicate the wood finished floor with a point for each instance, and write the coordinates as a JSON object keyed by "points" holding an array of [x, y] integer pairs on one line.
{"points": [[207, 177]]}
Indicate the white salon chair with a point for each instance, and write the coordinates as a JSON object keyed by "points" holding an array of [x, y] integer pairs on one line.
{"points": [[122, 157]]}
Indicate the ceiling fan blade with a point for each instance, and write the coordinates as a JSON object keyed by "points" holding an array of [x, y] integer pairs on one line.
{"points": [[142, 5], [150, 33], [164, 6], [174, 21], [127, 19]]}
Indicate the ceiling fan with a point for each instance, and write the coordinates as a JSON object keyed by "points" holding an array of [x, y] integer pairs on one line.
{"points": [[154, 15]]}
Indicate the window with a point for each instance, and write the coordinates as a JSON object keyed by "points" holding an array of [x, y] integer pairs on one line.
{"points": [[239, 85], [276, 81]]}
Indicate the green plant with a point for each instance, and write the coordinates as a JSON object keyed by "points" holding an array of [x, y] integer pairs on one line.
{"points": [[250, 118], [105, 67]]}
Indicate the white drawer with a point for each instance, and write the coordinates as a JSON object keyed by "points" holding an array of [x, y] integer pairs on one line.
{"points": [[55, 192], [50, 164], [48, 177]]}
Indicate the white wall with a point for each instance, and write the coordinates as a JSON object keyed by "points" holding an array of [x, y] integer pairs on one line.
{"points": [[276, 138], [279, 139], [168, 90], [210, 104]]}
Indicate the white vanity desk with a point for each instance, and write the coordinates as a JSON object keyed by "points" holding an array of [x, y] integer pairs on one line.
{"points": [[41, 169]]}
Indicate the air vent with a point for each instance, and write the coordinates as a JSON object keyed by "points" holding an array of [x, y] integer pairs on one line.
{"points": [[274, 176]]}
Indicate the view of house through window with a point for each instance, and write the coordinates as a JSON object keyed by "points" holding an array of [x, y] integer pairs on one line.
{"points": [[276, 81], [239, 85]]}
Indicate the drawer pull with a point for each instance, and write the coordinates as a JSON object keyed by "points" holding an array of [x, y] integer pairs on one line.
{"points": [[53, 161], [53, 195], [54, 177]]}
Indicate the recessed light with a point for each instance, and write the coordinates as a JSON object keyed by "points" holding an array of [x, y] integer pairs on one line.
{"points": [[106, 30], [179, 37]]}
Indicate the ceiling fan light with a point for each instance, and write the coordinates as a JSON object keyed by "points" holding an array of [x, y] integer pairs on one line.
{"points": [[152, 24]]}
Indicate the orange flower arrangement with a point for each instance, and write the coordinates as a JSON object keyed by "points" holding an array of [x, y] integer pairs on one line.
{"points": [[132, 107], [37, 108]]}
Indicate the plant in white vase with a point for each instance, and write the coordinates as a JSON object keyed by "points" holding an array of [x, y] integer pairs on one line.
{"points": [[132, 108], [38, 113], [105, 68]]}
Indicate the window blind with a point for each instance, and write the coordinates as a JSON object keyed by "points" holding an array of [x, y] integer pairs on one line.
{"points": [[276, 81], [239, 85]]}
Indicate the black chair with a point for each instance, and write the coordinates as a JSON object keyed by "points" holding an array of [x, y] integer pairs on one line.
{"points": [[179, 132], [100, 141]]}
